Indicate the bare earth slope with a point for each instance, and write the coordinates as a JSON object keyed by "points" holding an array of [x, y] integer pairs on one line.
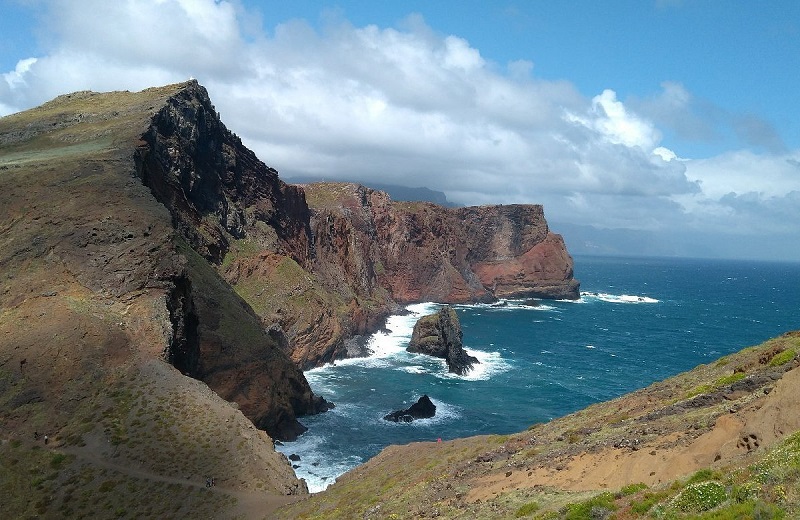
{"points": [[722, 439]]}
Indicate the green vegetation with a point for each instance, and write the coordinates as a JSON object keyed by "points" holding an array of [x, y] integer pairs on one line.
{"points": [[782, 358], [632, 489], [700, 496], [716, 385], [527, 510], [648, 501], [600, 506]]}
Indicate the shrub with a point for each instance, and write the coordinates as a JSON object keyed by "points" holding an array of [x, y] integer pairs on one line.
{"points": [[107, 486], [752, 510], [527, 509], [57, 460], [647, 502], [632, 489], [782, 358], [700, 496], [597, 507], [701, 476]]}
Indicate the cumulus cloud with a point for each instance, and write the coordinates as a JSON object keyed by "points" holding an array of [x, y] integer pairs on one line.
{"points": [[410, 106]]}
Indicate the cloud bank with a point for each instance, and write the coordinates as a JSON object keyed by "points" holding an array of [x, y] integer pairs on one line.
{"points": [[413, 107]]}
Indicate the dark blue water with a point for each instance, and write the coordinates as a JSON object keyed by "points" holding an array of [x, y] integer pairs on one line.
{"points": [[638, 321]]}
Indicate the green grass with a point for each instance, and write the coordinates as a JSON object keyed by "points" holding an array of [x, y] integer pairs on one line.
{"points": [[782, 358], [596, 507], [716, 385], [527, 510], [632, 489]]}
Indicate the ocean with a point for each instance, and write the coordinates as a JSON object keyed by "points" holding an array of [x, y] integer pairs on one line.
{"points": [[639, 320]]}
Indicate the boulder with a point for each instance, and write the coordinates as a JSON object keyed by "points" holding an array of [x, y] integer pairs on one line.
{"points": [[422, 409], [440, 335]]}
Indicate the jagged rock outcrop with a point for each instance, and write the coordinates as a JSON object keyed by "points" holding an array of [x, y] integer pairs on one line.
{"points": [[440, 335], [321, 263], [422, 409]]}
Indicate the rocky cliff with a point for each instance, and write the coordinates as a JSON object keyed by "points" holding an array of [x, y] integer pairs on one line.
{"points": [[326, 263], [244, 269], [419, 251], [371, 253]]}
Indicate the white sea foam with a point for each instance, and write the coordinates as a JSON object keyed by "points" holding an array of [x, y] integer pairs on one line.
{"points": [[413, 369], [383, 345], [318, 470], [489, 364], [509, 305], [617, 298]]}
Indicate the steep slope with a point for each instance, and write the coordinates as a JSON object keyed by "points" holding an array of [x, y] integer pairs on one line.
{"points": [[101, 280], [722, 438]]}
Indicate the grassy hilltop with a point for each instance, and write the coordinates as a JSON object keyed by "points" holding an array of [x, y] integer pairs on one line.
{"points": [[97, 292]]}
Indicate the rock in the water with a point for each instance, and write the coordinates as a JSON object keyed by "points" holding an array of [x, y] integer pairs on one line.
{"points": [[422, 409], [440, 335]]}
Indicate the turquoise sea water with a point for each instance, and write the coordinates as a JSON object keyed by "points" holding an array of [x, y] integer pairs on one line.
{"points": [[638, 321]]}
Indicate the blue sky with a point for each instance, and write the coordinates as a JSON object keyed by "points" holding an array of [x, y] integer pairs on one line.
{"points": [[671, 118]]}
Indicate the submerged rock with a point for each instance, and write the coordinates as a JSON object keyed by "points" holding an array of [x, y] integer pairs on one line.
{"points": [[440, 335], [422, 409]]}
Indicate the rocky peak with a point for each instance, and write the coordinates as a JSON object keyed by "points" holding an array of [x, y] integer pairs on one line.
{"points": [[217, 189]]}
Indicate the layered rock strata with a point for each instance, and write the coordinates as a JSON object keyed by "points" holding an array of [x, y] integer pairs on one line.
{"points": [[372, 253]]}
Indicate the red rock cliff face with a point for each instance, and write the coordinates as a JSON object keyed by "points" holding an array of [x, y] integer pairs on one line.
{"points": [[425, 252]]}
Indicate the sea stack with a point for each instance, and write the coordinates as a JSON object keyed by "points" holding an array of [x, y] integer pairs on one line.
{"points": [[440, 335], [422, 409]]}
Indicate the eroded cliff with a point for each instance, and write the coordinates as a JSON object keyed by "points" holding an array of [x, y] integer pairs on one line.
{"points": [[371, 253]]}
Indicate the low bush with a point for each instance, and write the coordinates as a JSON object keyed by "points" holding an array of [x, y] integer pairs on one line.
{"points": [[700, 496]]}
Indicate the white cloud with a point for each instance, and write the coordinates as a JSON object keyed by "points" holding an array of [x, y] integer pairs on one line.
{"points": [[412, 107], [745, 193]]}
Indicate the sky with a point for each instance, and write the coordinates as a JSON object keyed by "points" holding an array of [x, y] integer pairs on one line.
{"points": [[673, 123]]}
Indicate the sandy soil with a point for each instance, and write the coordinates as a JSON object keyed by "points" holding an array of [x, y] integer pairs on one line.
{"points": [[764, 421]]}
